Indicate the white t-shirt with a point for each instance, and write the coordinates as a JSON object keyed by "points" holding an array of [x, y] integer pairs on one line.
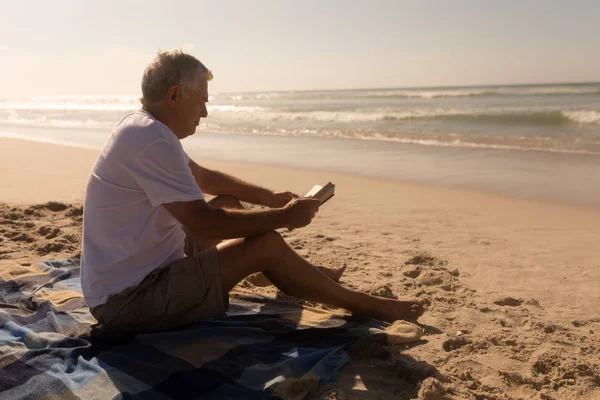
{"points": [[126, 233]]}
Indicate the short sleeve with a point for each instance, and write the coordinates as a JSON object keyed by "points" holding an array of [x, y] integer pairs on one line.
{"points": [[163, 173]]}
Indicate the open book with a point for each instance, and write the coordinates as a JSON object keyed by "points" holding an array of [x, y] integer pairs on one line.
{"points": [[321, 193]]}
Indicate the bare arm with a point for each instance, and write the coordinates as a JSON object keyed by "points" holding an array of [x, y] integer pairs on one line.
{"points": [[212, 223], [217, 183]]}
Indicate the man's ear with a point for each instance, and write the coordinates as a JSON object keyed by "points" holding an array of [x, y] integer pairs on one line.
{"points": [[173, 95]]}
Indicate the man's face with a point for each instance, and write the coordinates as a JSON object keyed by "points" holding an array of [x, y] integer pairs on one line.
{"points": [[191, 108]]}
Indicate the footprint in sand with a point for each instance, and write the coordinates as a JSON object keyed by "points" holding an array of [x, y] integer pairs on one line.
{"points": [[382, 290], [508, 301], [413, 271], [455, 343], [424, 258], [52, 206], [579, 323], [13, 216], [431, 278], [48, 248], [71, 239], [22, 237], [48, 232], [75, 212]]}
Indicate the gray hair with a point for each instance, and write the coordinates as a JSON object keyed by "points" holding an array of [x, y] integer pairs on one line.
{"points": [[171, 68]]}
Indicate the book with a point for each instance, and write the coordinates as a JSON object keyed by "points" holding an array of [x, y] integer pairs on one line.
{"points": [[321, 193]]}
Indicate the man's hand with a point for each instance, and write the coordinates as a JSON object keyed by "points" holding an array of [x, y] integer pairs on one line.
{"points": [[280, 199], [301, 211]]}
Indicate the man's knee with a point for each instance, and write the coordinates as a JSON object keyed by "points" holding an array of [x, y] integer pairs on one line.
{"points": [[269, 243], [226, 201]]}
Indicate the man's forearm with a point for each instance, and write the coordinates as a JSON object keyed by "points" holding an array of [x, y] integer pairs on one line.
{"points": [[242, 190], [218, 183], [227, 224]]}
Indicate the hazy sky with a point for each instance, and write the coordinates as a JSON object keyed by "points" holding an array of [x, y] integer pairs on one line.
{"points": [[64, 47]]}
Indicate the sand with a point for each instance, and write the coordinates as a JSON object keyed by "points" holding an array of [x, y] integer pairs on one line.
{"points": [[513, 283]]}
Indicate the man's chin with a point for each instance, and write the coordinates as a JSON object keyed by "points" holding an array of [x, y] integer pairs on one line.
{"points": [[191, 132]]}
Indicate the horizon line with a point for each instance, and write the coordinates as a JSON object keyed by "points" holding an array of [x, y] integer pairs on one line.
{"points": [[562, 83]]}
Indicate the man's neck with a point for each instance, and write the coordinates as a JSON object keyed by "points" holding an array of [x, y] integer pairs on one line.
{"points": [[159, 114]]}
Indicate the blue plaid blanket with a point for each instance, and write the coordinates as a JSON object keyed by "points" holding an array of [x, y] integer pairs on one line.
{"points": [[262, 347]]}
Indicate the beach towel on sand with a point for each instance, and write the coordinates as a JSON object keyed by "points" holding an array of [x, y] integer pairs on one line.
{"points": [[262, 347]]}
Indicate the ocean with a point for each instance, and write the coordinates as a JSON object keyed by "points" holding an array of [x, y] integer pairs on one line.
{"points": [[512, 139]]}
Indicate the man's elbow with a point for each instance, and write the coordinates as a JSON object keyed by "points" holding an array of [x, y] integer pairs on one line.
{"points": [[207, 225]]}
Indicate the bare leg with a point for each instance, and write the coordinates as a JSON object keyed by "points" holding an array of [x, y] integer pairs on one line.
{"points": [[295, 276], [227, 201], [260, 280]]}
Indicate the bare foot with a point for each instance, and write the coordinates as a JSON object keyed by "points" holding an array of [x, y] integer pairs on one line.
{"points": [[407, 309], [333, 273]]}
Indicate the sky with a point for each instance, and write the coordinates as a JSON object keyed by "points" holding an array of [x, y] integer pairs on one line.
{"points": [[85, 47]]}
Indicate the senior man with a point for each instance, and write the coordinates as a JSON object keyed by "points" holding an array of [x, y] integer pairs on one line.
{"points": [[155, 253]]}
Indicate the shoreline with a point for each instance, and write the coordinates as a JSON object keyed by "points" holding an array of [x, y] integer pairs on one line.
{"points": [[426, 143], [550, 195], [396, 141]]}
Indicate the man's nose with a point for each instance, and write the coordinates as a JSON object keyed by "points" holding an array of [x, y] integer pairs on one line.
{"points": [[204, 113]]}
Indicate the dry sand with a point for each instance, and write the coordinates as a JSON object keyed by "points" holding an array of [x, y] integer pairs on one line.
{"points": [[513, 283]]}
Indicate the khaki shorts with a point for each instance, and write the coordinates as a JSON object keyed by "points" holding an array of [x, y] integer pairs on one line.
{"points": [[181, 293]]}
